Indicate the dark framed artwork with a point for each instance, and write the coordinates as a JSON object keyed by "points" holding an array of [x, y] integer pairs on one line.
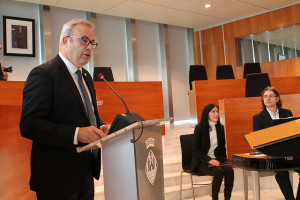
{"points": [[19, 37]]}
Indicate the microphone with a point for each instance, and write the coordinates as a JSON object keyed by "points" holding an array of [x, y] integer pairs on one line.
{"points": [[124, 119], [101, 76]]}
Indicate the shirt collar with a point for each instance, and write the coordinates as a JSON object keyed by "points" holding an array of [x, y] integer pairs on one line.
{"points": [[71, 68], [272, 113], [212, 124]]}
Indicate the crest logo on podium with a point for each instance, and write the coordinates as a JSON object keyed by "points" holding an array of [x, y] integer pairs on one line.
{"points": [[151, 162]]}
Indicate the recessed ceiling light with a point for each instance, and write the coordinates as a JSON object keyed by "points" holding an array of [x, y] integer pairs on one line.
{"points": [[208, 5]]}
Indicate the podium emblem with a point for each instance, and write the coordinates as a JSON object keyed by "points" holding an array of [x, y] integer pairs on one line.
{"points": [[151, 162]]}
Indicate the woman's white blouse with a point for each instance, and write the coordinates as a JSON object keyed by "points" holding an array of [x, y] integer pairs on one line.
{"points": [[213, 139]]}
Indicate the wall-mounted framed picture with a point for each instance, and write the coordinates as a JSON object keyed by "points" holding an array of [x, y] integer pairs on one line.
{"points": [[19, 37]]}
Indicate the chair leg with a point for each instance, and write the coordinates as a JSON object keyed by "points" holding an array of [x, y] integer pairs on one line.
{"points": [[181, 186], [192, 186], [212, 179]]}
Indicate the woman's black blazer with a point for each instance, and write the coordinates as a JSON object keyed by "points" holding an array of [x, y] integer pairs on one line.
{"points": [[201, 145]]}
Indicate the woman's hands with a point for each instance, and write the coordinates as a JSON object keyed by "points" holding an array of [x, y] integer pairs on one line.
{"points": [[214, 162]]}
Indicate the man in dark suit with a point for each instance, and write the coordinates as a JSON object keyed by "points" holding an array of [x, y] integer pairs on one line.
{"points": [[59, 113], [272, 109]]}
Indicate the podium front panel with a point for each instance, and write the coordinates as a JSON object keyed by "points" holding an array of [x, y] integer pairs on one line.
{"points": [[119, 173], [149, 163]]}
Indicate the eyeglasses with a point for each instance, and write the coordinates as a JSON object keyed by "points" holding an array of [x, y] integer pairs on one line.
{"points": [[270, 96], [85, 41]]}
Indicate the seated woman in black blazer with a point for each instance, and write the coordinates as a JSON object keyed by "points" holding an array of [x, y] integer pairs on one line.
{"points": [[209, 151]]}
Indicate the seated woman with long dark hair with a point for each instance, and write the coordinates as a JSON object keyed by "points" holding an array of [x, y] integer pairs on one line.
{"points": [[209, 151]]}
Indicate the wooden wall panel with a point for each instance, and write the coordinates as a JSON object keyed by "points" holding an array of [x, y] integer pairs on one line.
{"points": [[267, 21], [211, 91], [11, 92], [256, 24], [228, 31], [213, 55], [285, 17], [144, 98], [231, 57], [197, 50], [212, 35], [281, 68], [243, 27]]}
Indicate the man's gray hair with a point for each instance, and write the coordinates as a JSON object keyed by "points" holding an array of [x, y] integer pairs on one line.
{"points": [[69, 26]]}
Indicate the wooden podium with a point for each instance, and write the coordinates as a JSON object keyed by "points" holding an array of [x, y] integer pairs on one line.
{"points": [[132, 170], [281, 140]]}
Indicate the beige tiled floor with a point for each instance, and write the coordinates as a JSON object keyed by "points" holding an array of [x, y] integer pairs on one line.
{"points": [[266, 194]]}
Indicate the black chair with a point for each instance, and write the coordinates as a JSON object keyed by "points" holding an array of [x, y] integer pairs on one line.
{"points": [[224, 72], [186, 142], [256, 83], [106, 71], [251, 68], [197, 72]]}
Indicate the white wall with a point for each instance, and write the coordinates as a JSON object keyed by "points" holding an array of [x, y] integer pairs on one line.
{"points": [[179, 64], [148, 57], [59, 16], [112, 45], [21, 65]]}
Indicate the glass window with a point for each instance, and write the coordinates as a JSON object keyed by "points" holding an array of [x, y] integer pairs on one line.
{"points": [[283, 43]]}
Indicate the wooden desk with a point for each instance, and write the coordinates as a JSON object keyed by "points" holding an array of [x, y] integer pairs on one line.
{"points": [[11, 92], [210, 91], [236, 114], [260, 166], [144, 98], [14, 155]]}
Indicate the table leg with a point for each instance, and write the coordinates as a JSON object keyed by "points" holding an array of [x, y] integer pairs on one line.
{"points": [[256, 185], [245, 177]]}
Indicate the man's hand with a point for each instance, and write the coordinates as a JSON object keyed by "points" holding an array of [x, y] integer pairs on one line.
{"points": [[89, 134], [105, 129]]}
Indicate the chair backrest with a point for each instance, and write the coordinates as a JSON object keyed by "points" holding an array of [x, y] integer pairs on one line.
{"points": [[224, 72], [256, 83], [106, 71], [251, 68], [186, 142], [197, 72]]}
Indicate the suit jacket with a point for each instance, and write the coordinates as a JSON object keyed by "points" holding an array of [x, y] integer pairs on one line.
{"points": [[263, 119], [52, 109], [201, 145]]}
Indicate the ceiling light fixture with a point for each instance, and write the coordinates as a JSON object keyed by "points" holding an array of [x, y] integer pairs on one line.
{"points": [[208, 5]]}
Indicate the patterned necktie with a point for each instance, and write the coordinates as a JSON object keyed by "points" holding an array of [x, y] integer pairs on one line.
{"points": [[88, 105], [87, 102]]}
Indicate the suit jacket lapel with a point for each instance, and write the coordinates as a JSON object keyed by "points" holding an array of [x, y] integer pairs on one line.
{"points": [[282, 114], [267, 117], [69, 80]]}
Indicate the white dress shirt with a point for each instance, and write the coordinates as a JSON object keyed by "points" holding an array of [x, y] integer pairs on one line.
{"points": [[213, 139], [72, 69], [273, 115]]}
